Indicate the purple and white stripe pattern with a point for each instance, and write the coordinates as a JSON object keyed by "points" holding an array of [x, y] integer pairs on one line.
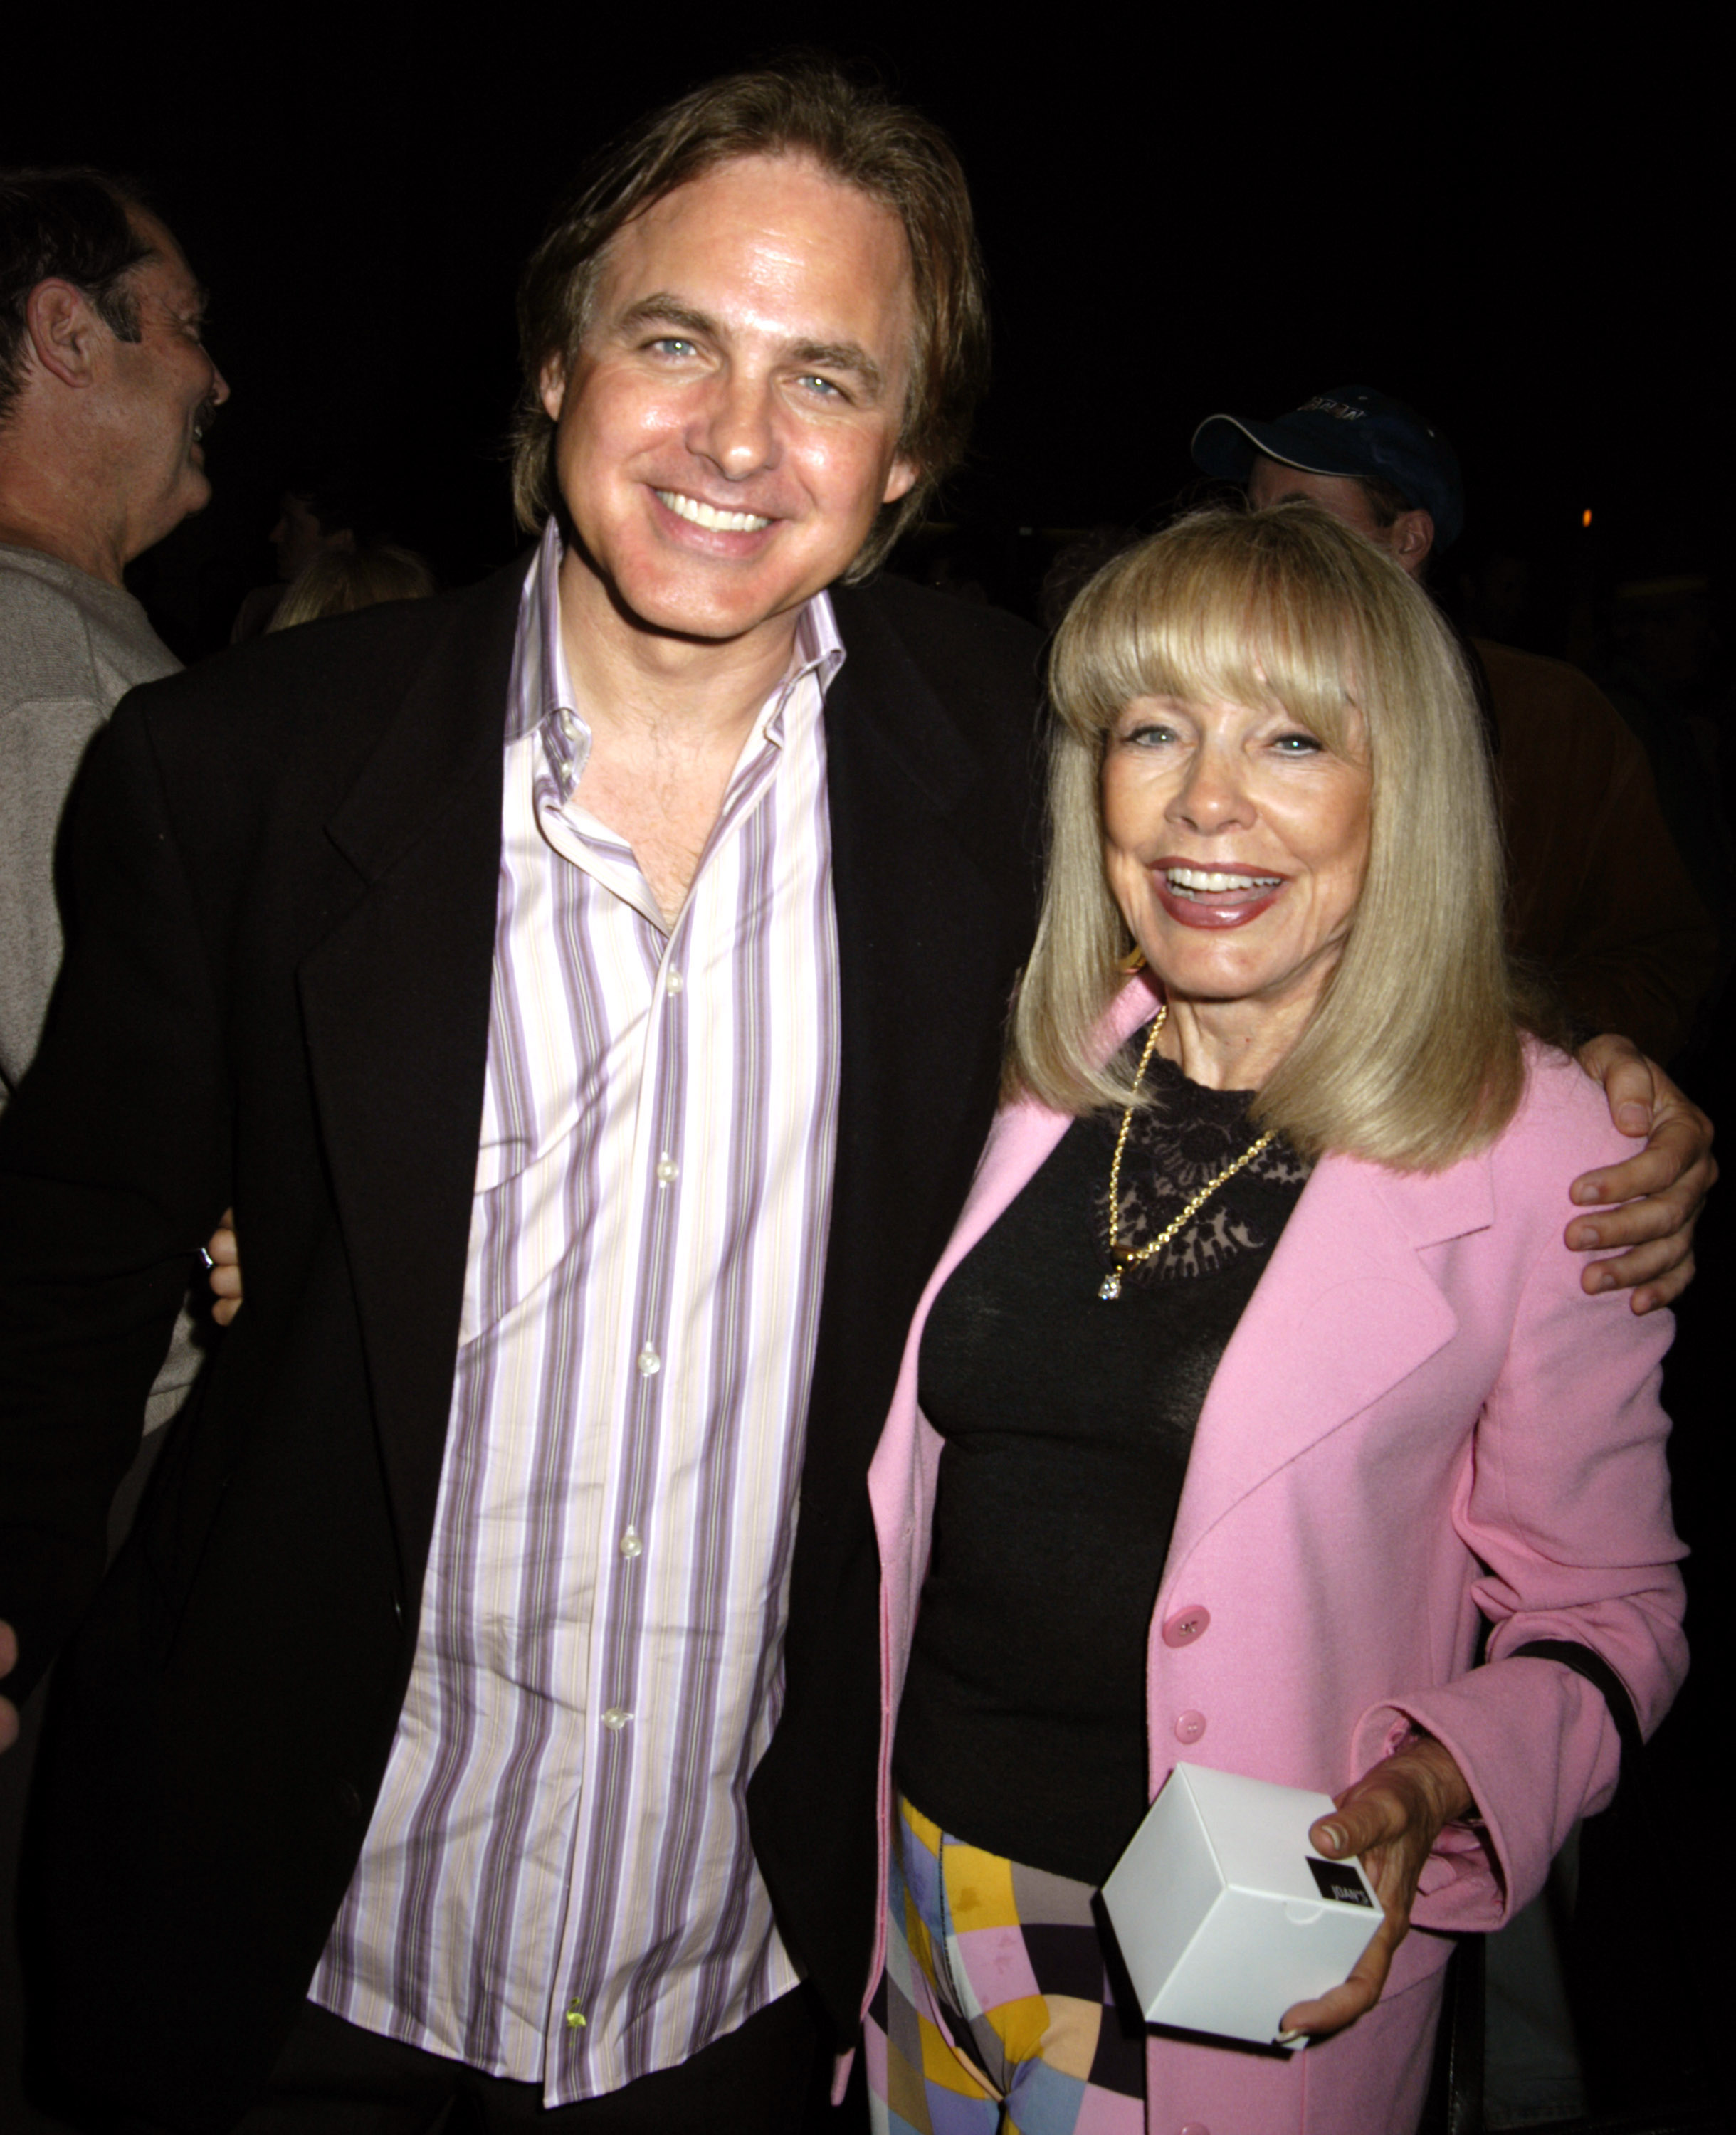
{"points": [[557, 1885]]}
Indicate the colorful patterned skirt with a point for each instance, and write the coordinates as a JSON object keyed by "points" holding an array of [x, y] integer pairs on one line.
{"points": [[995, 2011]]}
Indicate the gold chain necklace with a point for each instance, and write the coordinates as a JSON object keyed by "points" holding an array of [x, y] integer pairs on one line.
{"points": [[1110, 1287]]}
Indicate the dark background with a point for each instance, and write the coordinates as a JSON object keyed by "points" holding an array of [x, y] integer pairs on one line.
{"points": [[1179, 216]]}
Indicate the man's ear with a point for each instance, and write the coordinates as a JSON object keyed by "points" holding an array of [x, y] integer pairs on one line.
{"points": [[900, 481], [64, 332], [1411, 538]]}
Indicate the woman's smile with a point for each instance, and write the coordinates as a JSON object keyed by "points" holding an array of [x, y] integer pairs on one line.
{"points": [[1213, 896]]}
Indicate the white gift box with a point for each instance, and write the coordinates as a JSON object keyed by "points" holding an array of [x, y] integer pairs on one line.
{"points": [[1226, 1914]]}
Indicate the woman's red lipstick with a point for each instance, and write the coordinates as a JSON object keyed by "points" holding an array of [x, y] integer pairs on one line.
{"points": [[1195, 893]]}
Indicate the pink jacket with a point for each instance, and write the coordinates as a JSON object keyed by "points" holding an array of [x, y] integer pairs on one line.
{"points": [[1421, 1418]]}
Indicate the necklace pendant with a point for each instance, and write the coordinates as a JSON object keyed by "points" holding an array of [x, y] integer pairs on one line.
{"points": [[1109, 1289]]}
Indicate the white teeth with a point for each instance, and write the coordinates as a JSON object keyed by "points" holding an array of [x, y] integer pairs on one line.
{"points": [[1215, 879], [703, 514]]}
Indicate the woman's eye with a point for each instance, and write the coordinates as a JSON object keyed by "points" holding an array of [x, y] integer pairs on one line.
{"points": [[1297, 744]]}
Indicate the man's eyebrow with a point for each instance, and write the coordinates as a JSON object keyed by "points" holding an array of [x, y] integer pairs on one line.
{"points": [[195, 304], [842, 355], [662, 309]]}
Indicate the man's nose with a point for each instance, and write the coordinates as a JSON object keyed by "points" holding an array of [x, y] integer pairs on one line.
{"points": [[219, 387], [738, 432]]}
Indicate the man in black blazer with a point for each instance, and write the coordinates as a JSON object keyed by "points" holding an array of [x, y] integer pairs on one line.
{"points": [[750, 349], [285, 872]]}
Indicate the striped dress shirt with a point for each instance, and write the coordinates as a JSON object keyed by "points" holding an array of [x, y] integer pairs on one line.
{"points": [[557, 1884]]}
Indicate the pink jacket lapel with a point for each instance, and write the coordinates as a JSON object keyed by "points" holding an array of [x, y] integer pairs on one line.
{"points": [[1346, 1310]]}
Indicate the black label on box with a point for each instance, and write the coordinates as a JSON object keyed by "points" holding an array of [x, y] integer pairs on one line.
{"points": [[1334, 1879]]}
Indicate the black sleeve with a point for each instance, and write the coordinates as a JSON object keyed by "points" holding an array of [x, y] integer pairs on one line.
{"points": [[113, 1168]]}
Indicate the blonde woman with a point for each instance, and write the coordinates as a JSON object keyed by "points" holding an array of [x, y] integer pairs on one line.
{"points": [[1256, 1378]]}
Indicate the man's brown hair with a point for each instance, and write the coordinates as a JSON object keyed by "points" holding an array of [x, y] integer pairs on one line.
{"points": [[853, 130], [72, 226]]}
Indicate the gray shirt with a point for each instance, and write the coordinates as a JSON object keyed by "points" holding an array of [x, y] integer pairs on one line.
{"points": [[70, 648]]}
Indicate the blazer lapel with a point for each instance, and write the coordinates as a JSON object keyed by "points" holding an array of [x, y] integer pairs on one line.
{"points": [[1346, 1310], [395, 999], [934, 917]]}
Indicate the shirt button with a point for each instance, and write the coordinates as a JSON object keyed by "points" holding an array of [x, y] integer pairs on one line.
{"points": [[616, 1718], [650, 1363], [1190, 1726], [1195, 2127], [672, 981], [631, 1545], [1186, 1625], [667, 1169]]}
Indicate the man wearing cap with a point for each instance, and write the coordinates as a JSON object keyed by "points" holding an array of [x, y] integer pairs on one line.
{"points": [[1598, 893]]}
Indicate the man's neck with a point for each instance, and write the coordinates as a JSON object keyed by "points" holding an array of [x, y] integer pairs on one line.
{"points": [[33, 515], [635, 684], [669, 717]]}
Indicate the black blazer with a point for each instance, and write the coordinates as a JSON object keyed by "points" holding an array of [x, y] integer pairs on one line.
{"points": [[282, 871]]}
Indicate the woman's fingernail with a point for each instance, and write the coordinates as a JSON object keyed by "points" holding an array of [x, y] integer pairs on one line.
{"points": [[1289, 2038]]}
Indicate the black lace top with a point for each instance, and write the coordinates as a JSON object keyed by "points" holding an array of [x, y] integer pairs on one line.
{"points": [[1068, 1422]]}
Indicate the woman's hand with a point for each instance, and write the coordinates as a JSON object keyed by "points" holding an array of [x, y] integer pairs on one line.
{"points": [[1392, 1816], [223, 1256], [1663, 1186]]}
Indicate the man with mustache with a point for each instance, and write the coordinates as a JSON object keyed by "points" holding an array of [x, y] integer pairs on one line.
{"points": [[106, 389]]}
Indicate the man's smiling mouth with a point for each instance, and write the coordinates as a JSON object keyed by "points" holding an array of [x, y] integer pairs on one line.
{"points": [[707, 515]]}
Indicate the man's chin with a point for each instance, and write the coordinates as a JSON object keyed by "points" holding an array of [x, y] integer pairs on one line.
{"points": [[683, 607]]}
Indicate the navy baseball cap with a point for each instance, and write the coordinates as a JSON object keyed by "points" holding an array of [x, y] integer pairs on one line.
{"points": [[1352, 430]]}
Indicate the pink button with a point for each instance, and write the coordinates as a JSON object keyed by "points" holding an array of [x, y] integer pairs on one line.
{"points": [[1186, 1625], [1195, 2127], [1190, 1726]]}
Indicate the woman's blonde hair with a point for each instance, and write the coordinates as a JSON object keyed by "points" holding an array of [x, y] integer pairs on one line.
{"points": [[1412, 1059], [339, 581]]}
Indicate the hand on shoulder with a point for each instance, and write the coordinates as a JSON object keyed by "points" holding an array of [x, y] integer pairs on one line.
{"points": [[1647, 1206]]}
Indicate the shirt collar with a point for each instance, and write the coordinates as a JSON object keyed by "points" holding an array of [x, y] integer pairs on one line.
{"points": [[540, 688]]}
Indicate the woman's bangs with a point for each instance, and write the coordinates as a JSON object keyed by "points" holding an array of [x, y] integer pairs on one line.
{"points": [[1243, 637]]}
